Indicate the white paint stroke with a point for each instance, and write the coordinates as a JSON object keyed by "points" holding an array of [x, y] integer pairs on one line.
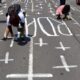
{"points": [[41, 42], [12, 43], [30, 68], [26, 28], [45, 1], [30, 74], [65, 65], [69, 31], [38, 13], [41, 26], [53, 28], [6, 60], [35, 26], [62, 47], [38, 75], [32, 6]]}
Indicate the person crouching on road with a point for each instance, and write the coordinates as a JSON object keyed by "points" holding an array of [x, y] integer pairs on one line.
{"points": [[63, 10], [15, 16]]}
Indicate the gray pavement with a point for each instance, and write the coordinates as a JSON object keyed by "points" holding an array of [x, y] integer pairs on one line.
{"points": [[53, 52]]}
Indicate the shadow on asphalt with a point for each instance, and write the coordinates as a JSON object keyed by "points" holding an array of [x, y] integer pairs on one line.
{"points": [[2, 21]]}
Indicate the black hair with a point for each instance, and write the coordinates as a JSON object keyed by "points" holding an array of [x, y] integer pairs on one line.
{"points": [[66, 9]]}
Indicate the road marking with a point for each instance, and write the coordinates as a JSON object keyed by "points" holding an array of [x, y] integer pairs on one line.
{"points": [[76, 22], [42, 27], [30, 68], [38, 13], [32, 6], [30, 74], [65, 65], [1, 12], [41, 4], [62, 47], [65, 25], [26, 27], [41, 7], [6, 60], [45, 1], [5, 6], [36, 6], [41, 42], [12, 43], [74, 8]]}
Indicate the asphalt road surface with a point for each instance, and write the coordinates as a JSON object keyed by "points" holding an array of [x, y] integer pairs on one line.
{"points": [[53, 50]]}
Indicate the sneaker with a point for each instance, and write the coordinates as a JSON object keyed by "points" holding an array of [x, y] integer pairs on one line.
{"points": [[58, 18]]}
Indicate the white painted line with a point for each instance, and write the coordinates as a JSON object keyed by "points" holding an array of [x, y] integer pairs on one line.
{"points": [[53, 28], [42, 27], [12, 43], [1, 11], [30, 74], [65, 65], [41, 7], [41, 42], [38, 75], [35, 26], [57, 67], [65, 25], [45, 1], [26, 1], [38, 13], [6, 60], [6, 57], [26, 28], [30, 68], [32, 6], [36, 6], [74, 8], [75, 22], [40, 4], [62, 47]]}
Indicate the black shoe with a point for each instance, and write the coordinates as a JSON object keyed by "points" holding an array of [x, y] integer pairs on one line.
{"points": [[4, 39], [58, 18]]}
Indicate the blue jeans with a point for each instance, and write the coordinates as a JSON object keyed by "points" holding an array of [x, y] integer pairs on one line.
{"points": [[62, 2]]}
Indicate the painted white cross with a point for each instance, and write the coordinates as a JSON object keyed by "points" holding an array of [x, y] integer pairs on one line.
{"points": [[65, 65], [38, 13], [41, 3], [41, 7], [30, 74], [36, 6], [62, 47], [5, 6], [6, 60], [41, 42], [1, 12]]}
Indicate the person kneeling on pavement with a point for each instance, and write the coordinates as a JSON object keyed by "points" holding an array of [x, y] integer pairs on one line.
{"points": [[15, 17], [63, 10]]}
